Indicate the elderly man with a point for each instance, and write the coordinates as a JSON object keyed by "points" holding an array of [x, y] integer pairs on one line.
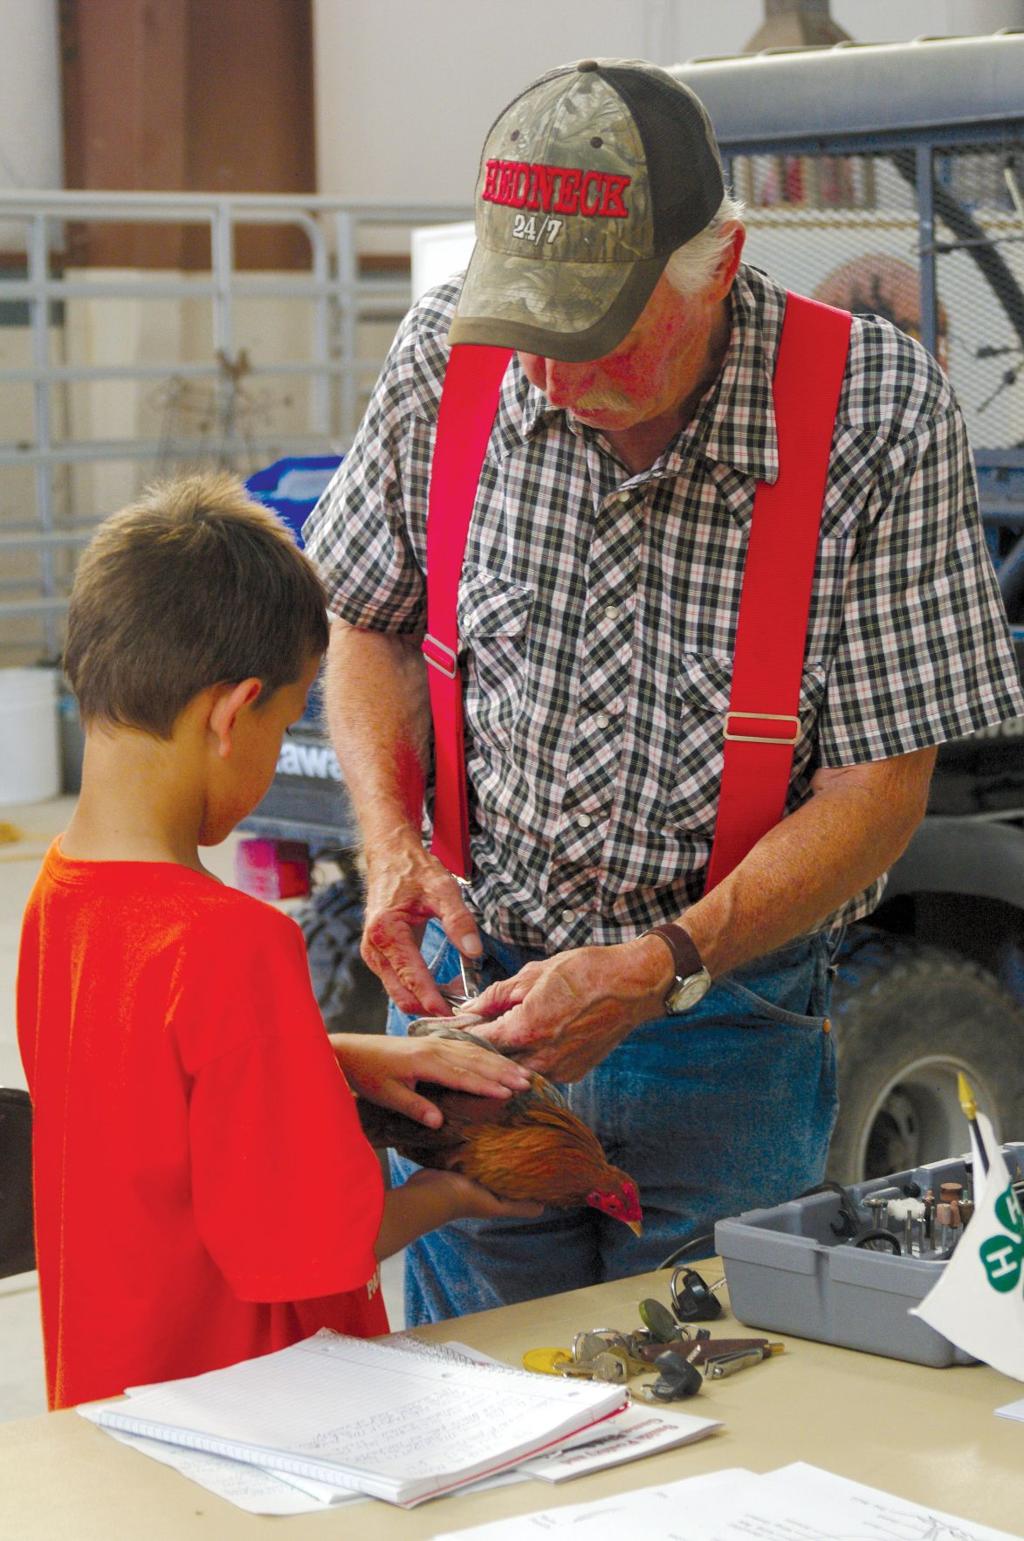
{"points": [[598, 612]]}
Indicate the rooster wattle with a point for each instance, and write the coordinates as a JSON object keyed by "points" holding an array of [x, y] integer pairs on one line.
{"points": [[528, 1146]]}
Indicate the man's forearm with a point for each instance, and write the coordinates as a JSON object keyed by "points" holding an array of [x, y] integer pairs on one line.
{"points": [[563, 1016], [379, 718], [851, 830]]}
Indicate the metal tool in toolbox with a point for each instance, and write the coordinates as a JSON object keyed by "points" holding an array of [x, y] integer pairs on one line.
{"points": [[798, 1269]]}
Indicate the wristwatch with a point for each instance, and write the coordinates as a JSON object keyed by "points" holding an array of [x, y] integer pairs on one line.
{"points": [[692, 981]]}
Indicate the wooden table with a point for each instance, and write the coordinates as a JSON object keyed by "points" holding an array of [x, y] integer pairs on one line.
{"points": [[926, 1434]]}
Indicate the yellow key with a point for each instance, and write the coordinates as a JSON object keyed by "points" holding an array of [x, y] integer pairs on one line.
{"points": [[546, 1361]]}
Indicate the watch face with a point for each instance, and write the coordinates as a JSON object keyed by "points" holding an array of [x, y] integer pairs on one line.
{"points": [[687, 992]]}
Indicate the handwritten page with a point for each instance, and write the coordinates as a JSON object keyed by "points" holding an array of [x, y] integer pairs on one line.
{"points": [[259, 1491], [266, 1492], [629, 1437], [836, 1509], [795, 1503], [247, 1487], [358, 1414]]}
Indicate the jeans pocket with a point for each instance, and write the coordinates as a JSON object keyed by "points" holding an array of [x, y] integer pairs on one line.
{"points": [[790, 986], [760, 1005]]}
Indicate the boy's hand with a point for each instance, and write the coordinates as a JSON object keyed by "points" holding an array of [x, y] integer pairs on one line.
{"points": [[386, 1070], [472, 1201], [430, 1199]]}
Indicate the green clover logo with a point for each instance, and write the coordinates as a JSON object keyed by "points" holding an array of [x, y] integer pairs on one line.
{"points": [[1003, 1256]]}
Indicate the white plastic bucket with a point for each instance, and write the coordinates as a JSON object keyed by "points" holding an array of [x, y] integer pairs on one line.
{"points": [[29, 744]]}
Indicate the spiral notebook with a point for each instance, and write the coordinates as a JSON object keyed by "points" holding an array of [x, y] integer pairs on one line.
{"points": [[366, 1415]]}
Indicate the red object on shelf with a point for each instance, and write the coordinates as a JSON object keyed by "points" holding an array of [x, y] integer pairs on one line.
{"points": [[272, 869]]}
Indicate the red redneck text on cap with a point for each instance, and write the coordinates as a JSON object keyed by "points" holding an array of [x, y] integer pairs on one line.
{"points": [[555, 189]]}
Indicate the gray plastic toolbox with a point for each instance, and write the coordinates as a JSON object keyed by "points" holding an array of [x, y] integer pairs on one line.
{"points": [[788, 1271]]}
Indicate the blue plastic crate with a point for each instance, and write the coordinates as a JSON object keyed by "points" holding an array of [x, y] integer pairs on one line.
{"points": [[293, 487]]}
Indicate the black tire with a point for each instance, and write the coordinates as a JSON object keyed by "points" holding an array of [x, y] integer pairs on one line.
{"points": [[351, 998], [907, 1018]]}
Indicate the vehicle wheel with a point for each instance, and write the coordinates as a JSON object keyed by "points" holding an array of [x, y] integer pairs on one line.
{"points": [[908, 1017], [351, 997]]}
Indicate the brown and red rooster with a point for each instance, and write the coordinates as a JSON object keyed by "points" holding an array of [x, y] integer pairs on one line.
{"points": [[529, 1146]]}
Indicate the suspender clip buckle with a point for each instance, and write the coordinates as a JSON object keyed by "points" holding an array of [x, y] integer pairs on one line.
{"points": [[757, 738], [440, 656]]}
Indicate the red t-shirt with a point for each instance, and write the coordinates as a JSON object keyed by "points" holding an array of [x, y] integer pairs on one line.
{"points": [[203, 1190]]}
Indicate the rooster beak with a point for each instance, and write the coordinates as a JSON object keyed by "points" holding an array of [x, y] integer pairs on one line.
{"points": [[636, 1227]]}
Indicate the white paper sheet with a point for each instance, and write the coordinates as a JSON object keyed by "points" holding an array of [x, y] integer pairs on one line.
{"points": [[836, 1509], [795, 1503], [247, 1487], [666, 1513], [636, 1433]]}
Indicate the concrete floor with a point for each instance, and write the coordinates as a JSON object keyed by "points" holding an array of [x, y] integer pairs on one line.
{"points": [[22, 1387]]}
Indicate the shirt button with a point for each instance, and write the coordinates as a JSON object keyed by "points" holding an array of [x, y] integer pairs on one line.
{"points": [[584, 820], [568, 917], [611, 611], [602, 720]]}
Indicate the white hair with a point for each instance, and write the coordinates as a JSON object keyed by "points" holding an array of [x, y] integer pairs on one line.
{"points": [[692, 266]]}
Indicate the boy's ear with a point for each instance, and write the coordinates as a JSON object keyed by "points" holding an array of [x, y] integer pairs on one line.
{"points": [[228, 701]]}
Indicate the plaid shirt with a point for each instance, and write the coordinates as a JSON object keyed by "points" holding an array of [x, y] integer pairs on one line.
{"points": [[597, 610]]}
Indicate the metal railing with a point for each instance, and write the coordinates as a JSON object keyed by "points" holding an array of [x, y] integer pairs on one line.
{"points": [[341, 291]]}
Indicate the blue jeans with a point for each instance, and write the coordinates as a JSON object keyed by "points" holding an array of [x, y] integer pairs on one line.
{"points": [[727, 1108]]}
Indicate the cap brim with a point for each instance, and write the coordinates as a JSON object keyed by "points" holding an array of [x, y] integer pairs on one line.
{"points": [[572, 311]]}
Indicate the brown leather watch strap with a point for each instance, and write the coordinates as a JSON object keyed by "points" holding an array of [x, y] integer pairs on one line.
{"points": [[685, 957]]}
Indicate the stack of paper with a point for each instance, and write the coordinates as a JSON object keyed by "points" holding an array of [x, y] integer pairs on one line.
{"points": [[366, 1416]]}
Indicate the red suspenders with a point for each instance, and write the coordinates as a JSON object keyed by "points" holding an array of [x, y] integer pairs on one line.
{"points": [[762, 725], [469, 400]]}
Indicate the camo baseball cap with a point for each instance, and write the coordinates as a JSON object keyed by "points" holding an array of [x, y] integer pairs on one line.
{"points": [[588, 182]]}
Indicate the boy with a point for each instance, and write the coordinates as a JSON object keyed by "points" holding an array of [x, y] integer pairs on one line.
{"points": [[203, 1189]]}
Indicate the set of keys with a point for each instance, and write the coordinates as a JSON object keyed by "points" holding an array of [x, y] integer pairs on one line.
{"points": [[683, 1360]]}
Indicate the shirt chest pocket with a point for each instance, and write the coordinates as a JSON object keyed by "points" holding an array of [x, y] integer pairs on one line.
{"points": [[494, 617], [701, 699]]}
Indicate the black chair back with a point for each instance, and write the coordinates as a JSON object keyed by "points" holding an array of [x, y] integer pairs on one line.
{"points": [[17, 1246]]}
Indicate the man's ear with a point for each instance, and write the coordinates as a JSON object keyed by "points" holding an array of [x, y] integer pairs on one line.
{"points": [[726, 271], [228, 701]]}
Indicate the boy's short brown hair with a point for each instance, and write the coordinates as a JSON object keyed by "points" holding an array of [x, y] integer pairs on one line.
{"points": [[194, 585]]}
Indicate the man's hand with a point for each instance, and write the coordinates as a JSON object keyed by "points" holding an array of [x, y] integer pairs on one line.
{"points": [[386, 1071], [563, 1015], [379, 714], [405, 888]]}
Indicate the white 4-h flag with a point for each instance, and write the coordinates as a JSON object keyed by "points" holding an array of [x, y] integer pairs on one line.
{"points": [[978, 1301]]}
